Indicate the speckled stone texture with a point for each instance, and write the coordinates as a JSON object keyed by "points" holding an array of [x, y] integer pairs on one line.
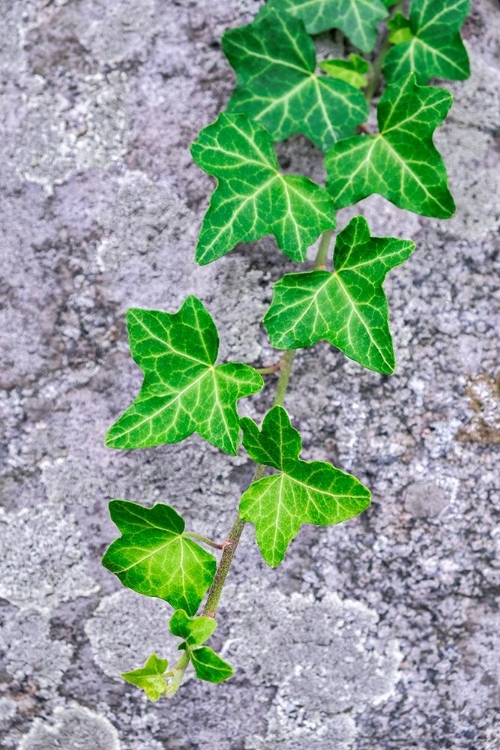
{"points": [[380, 634]]}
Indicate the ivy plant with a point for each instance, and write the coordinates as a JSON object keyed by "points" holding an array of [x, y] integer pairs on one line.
{"points": [[281, 90]]}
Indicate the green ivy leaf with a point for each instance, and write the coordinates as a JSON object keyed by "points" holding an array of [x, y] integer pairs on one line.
{"points": [[357, 19], [253, 198], [209, 666], [183, 391], [400, 29], [429, 43], [194, 630], [348, 308], [352, 71], [155, 558], [275, 59], [150, 677], [302, 492], [401, 162]]}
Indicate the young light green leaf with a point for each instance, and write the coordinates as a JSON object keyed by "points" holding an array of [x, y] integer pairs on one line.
{"points": [[401, 162], [302, 492], [150, 677], [348, 308], [183, 391], [209, 666], [194, 630], [352, 71], [400, 29], [357, 19], [429, 42], [155, 558], [253, 198], [275, 59]]}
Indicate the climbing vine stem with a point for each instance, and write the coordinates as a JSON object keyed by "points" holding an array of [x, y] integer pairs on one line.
{"points": [[376, 70], [234, 536]]}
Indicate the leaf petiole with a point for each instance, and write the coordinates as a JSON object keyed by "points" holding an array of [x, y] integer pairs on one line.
{"points": [[204, 540], [269, 370], [178, 672]]}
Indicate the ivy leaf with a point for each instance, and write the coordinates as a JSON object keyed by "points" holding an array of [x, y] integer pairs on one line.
{"points": [[209, 666], [194, 630], [429, 42], [348, 308], [352, 71], [155, 558], [401, 162], [302, 492], [253, 198], [150, 677], [275, 59], [400, 30], [357, 19], [183, 391]]}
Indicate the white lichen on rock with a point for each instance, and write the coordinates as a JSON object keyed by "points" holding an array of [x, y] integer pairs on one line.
{"points": [[42, 559], [75, 728], [30, 652], [126, 628], [323, 656]]}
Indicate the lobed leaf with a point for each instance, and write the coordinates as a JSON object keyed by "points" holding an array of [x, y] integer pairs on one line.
{"points": [[352, 71], [357, 19], [274, 59], [253, 198], [429, 42], [155, 558], [150, 677], [401, 162], [193, 630], [183, 391], [209, 666], [348, 308], [302, 492]]}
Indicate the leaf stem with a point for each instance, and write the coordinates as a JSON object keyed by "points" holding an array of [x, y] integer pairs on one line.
{"points": [[324, 247], [179, 671], [230, 545], [284, 378], [268, 370], [376, 71], [204, 540]]}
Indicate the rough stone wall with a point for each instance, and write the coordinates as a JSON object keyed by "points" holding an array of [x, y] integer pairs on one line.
{"points": [[381, 633]]}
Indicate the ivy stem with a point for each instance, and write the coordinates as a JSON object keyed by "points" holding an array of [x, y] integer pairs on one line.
{"points": [[324, 247], [234, 536], [284, 378], [376, 71]]}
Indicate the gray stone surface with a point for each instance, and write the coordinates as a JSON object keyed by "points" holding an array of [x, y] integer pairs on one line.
{"points": [[381, 633], [76, 728]]}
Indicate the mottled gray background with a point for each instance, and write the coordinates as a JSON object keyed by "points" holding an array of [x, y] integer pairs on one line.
{"points": [[382, 633]]}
